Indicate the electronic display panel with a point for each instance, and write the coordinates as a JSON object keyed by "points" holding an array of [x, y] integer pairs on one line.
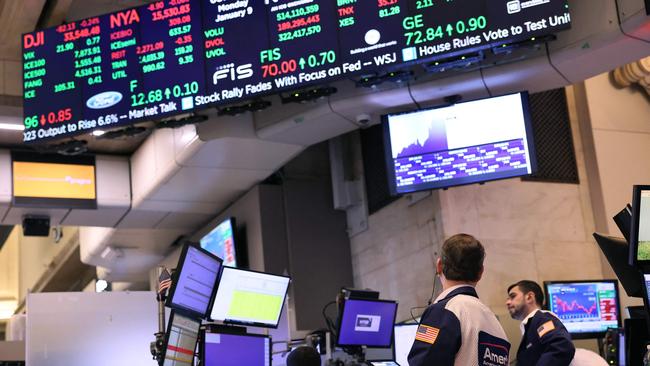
{"points": [[640, 228], [367, 323], [463, 143], [220, 241], [404, 338], [174, 56], [194, 281], [180, 340], [249, 298], [222, 348], [53, 181], [586, 308]]}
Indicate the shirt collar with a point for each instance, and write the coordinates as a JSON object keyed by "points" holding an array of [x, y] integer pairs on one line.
{"points": [[522, 326], [448, 291]]}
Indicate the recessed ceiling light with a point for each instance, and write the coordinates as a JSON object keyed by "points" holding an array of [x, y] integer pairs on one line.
{"points": [[98, 132], [11, 126]]}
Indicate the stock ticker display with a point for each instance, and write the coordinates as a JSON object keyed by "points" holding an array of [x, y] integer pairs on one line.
{"points": [[175, 56]]}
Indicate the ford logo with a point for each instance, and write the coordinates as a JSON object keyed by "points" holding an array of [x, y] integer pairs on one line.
{"points": [[104, 100]]}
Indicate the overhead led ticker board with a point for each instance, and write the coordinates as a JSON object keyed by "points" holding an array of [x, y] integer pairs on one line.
{"points": [[174, 56]]}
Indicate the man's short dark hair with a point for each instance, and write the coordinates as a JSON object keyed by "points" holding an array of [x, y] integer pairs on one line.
{"points": [[304, 356], [462, 258], [526, 286]]}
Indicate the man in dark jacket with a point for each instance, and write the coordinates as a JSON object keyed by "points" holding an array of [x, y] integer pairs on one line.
{"points": [[545, 341], [458, 329]]}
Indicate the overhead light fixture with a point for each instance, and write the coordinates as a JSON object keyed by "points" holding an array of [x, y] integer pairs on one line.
{"points": [[252, 106], [11, 126], [98, 132], [303, 96], [455, 63], [7, 308], [123, 133]]}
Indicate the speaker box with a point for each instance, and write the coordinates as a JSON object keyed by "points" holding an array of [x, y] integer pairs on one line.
{"points": [[36, 226]]}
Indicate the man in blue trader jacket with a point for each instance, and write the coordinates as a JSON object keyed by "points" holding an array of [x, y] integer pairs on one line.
{"points": [[459, 330], [545, 341]]}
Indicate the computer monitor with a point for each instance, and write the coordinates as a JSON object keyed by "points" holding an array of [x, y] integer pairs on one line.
{"points": [[464, 143], [223, 348], [367, 323], [616, 250], [180, 340], [586, 308], [404, 338], [640, 229], [194, 281], [249, 298], [220, 241]]}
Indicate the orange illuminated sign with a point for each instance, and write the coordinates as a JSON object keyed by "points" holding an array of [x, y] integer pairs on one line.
{"points": [[53, 180]]}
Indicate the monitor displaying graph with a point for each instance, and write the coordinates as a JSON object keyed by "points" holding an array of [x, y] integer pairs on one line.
{"points": [[464, 143], [249, 298], [586, 308]]}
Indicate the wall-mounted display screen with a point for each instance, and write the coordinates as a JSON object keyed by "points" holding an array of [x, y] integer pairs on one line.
{"points": [[194, 281], [586, 308], [367, 323], [180, 340], [463, 143], [640, 228], [173, 56], [53, 181], [249, 298], [227, 349], [220, 241]]}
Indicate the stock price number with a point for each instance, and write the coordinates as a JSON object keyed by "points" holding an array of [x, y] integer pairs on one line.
{"points": [[158, 95], [418, 33], [60, 116]]}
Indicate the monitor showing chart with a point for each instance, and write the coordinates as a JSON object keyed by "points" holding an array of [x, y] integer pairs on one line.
{"points": [[249, 298], [181, 337], [224, 349], [220, 241], [586, 308]]}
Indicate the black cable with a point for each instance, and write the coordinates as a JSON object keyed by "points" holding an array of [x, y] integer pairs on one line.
{"points": [[416, 307], [328, 321], [408, 87]]}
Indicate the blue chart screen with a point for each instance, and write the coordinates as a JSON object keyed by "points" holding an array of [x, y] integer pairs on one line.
{"points": [[585, 307], [646, 278], [465, 143]]}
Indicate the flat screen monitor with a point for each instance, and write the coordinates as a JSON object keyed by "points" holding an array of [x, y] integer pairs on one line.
{"points": [[463, 143], [220, 241], [616, 250], [227, 349], [249, 298], [53, 181], [586, 308], [404, 338], [640, 230], [180, 340], [367, 323], [194, 281]]}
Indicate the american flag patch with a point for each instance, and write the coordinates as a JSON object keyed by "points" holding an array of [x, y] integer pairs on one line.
{"points": [[427, 334], [545, 328]]}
